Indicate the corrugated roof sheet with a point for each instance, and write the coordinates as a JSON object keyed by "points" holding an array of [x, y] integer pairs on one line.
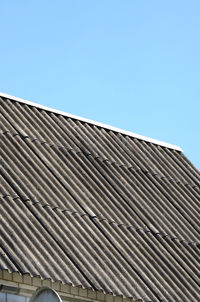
{"points": [[84, 204]]}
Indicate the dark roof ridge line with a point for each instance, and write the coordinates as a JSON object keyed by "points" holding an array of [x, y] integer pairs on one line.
{"points": [[23, 135], [69, 149], [60, 245], [177, 181], [99, 124], [146, 229], [149, 230]]}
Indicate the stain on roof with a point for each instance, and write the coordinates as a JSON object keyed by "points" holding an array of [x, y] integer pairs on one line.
{"points": [[96, 207]]}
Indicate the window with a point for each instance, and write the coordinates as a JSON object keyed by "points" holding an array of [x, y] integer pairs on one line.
{"points": [[4, 297]]}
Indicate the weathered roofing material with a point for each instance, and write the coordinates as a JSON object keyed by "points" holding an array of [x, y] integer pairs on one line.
{"points": [[129, 133], [94, 207]]}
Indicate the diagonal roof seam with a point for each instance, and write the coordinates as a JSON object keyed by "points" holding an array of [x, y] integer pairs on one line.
{"points": [[99, 124], [124, 209], [60, 245], [146, 229], [24, 135], [88, 210], [71, 149], [126, 259]]}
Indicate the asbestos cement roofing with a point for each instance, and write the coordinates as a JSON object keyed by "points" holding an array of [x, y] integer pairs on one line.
{"points": [[94, 206]]}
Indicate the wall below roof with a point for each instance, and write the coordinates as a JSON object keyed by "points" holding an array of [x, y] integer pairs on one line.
{"points": [[25, 285]]}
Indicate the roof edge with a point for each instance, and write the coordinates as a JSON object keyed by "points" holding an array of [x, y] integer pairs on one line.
{"points": [[15, 279], [99, 124]]}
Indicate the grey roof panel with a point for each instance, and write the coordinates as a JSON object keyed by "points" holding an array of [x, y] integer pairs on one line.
{"points": [[95, 207]]}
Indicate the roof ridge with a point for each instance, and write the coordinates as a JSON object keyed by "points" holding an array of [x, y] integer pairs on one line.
{"points": [[99, 124]]}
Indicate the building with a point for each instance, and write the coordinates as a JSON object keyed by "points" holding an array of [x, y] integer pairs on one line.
{"points": [[94, 212]]}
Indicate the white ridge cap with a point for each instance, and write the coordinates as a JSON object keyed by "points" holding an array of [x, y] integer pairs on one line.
{"points": [[128, 133]]}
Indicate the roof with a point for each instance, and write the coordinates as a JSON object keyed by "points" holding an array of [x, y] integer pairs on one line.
{"points": [[129, 133], [98, 207]]}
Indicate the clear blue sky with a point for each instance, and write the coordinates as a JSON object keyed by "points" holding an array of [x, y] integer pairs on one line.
{"points": [[132, 64]]}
